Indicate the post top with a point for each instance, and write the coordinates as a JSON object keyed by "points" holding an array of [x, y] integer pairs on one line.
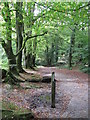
{"points": [[53, 72]]}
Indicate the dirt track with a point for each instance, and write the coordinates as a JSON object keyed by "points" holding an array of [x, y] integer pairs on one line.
{"points": [[71, 95], [74, 86]]}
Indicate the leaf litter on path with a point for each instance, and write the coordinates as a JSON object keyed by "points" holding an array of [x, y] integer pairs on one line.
{"points": [[71, 92]]}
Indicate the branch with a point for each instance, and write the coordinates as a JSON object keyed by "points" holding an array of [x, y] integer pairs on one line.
{"points": [[37, 17], [27, 38], [2, 42], [82, 6], [52, 8], [13, 31], [4, 45], [70, 28], [61, 10]]}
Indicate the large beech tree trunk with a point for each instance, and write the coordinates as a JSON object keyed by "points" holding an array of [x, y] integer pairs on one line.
{"points": [[8, 45], [12, 72], [19, 29], [11, 58], [30, 55]]}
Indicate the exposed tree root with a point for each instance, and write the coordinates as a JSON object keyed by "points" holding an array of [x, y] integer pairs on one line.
{"points": [[12, 79], [4, 72]]}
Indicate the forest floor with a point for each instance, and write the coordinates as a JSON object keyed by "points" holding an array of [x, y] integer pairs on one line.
{"points": [[71, 94]]}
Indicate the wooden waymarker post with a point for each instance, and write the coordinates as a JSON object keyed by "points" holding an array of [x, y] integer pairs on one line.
{"points": [[53, 90]]}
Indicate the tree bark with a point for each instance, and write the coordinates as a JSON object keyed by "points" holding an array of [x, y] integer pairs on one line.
{"points": [[34, 52], [56, 51], [52, 53], [71, 47], [19, 31], [8, 46], [47, 57], [28, 61], [30, 58], [11, 58]]}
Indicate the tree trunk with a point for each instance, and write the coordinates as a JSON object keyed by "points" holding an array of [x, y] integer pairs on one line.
{"points": [[8, 46], [11, 58], [25, 57], [33, 60], [47, 57], [29, 56], [56, 57], [12, 73], [70, 57], [19, 30], [89, 39], [71, 48], [34, 52], [52, 54], [30, 59], [56, 51]]}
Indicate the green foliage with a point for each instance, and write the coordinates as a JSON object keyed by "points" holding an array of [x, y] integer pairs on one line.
{"points": [[59, 19], [3, 59], [81, 47]]}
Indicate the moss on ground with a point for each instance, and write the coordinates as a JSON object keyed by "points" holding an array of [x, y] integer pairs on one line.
{"points": [[47, 97], [12, 112], [28, 85]]}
